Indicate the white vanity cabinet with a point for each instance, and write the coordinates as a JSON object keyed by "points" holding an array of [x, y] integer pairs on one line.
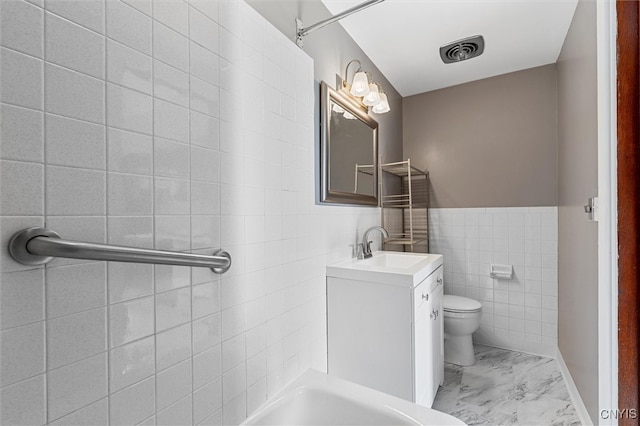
{"points": [[428, 338], [385, 336]]}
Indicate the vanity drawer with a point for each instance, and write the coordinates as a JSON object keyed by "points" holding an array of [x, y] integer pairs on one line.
{"points": [[422, 293]]}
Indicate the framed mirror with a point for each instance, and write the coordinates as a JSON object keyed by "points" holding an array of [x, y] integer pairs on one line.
{"points": [[348, 150]]}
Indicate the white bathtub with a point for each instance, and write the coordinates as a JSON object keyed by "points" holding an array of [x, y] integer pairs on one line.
{"points": [[316, 398]]}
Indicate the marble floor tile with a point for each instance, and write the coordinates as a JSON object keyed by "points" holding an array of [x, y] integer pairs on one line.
{"points": [[475, 415], [452, 375], [547, 412], [506, 388], [542, 380], [446, 399]]}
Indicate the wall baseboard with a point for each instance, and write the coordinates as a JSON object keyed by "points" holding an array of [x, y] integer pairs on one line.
{"points": [[547, 350], [581, 409]]}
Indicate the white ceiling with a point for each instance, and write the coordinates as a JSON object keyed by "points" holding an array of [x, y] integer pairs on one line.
{"points": [[403, 37]]}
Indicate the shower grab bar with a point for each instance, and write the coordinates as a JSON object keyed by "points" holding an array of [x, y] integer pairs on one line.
{"points": [[38, 246]]}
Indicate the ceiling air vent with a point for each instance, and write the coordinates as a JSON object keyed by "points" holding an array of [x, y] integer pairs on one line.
{"points": [[461, 50]]}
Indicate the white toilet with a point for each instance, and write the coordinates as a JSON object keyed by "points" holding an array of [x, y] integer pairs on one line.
{"points": [[461, 320]]}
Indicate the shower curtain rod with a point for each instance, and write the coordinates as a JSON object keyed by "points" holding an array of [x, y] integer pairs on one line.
{"points": [[301, 31], [38, 246]]}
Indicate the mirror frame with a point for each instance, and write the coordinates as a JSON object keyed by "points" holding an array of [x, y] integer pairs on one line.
{"points": [[328, 195]]}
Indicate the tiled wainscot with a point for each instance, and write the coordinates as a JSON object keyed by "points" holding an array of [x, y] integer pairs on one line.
{"points": [[519, 313]]}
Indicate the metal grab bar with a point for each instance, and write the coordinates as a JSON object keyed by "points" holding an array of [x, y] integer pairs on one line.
{"points": [[38, 246]]}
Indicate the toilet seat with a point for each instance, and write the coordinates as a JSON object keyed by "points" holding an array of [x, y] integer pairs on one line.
{"points": [[461, 319], [459, 304]]}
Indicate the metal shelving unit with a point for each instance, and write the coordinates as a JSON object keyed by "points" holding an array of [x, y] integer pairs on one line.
{"points": [[404, 202]]}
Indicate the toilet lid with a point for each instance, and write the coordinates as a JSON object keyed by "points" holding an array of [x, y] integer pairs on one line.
{"points": [[460, 304]]}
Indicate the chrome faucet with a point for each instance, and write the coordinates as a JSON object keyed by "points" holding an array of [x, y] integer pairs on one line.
{"points": [[366, 244]]}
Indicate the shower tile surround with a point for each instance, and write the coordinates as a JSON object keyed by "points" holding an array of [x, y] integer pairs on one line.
{"points": [[521, 313], [175, 125]]}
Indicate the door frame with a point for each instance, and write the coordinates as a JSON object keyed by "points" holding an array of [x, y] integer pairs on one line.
{"points": [[607, 197], [606, 64], [628, 196]]}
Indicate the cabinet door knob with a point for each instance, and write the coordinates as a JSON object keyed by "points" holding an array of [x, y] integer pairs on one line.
{"points": [[425, 297], [439, 281]]}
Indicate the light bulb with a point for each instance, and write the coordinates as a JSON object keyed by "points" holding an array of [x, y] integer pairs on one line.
{"points": [[337, 108], [360, 86], [373, 97], [383, 106], [348, 115]]}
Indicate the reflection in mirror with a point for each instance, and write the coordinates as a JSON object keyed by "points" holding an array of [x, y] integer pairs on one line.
{"points": [[349, 151]]}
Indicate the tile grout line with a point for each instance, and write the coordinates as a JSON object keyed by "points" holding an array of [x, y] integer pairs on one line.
{"points": [[153, 213], [219, 210], [189, 74], [106, 217], [44, 156]]}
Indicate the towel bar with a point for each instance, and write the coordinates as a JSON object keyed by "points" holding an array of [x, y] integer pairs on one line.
{"points": [[38, 246]]}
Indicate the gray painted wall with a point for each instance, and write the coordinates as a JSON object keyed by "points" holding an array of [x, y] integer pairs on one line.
{"points": [[577, 181], [331, 49], [488, 143]]}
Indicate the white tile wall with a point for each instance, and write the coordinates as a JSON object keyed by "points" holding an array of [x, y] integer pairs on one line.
{"points": [[161, 124], [521, 313]]}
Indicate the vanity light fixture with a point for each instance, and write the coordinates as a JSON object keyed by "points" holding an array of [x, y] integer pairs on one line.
{"points": [[382, 106], [366, 93], [373, 97], [360, 85]]}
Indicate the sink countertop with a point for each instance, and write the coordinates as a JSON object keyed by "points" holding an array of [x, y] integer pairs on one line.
{"points": [[388, 267]]}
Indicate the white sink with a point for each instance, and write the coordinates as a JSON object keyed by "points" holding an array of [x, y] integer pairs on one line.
{"points": [[388, 267]]}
